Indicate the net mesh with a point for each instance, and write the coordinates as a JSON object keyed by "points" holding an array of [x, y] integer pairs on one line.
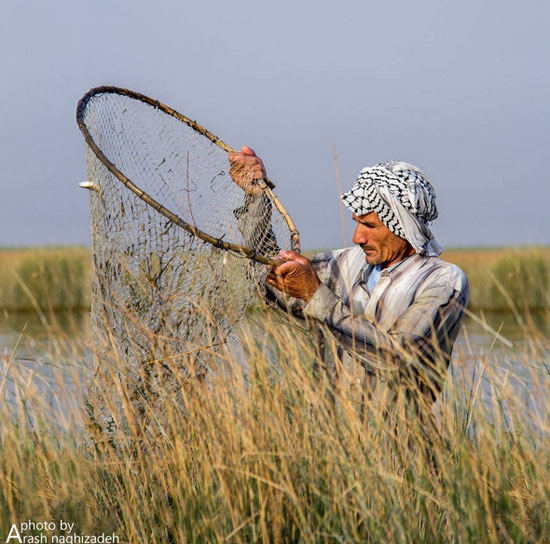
{"points": [[162, 297]]}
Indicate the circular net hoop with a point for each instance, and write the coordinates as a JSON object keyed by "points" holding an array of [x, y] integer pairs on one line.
{"points": [[162, 297]]}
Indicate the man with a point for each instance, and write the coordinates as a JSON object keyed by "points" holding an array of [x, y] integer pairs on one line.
{"points": [[388, 303]]}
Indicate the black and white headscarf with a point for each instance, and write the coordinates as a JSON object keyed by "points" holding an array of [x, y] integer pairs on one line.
{"points": [[402, 197]]}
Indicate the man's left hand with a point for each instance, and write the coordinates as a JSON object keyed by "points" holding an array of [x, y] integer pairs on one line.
{"points": [[245, 169], [295, 276]]}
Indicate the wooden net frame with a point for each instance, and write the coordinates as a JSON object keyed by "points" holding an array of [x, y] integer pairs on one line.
{"points": [[266, 184]]}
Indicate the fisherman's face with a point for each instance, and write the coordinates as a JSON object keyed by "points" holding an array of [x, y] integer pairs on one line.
{"points": [[380, 244]]}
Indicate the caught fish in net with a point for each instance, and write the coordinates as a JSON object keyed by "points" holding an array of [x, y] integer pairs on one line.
{"points": [[178, 248]]}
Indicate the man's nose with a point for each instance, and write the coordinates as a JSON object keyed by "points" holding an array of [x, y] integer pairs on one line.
{"points": [[359, 235]]}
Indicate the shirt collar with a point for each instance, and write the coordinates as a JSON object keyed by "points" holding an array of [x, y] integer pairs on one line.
{"points": [[408, 262]]}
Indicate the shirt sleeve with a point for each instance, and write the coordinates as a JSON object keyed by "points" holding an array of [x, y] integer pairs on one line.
{"points": [[254, 224]]}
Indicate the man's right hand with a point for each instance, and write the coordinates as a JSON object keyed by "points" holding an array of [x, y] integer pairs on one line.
{"points": [[245, 169], [295, 276]]}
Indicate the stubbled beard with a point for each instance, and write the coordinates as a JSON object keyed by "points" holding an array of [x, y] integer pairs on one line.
{"points": [[373, 260]]}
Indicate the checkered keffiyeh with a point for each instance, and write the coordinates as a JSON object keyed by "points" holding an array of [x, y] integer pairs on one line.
{"points": [[402, 197]]}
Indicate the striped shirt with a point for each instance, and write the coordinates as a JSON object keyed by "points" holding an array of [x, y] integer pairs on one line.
{"points": [[408, 323]]}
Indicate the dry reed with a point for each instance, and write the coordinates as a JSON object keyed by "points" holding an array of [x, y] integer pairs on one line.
{"points": [[265, 450]]}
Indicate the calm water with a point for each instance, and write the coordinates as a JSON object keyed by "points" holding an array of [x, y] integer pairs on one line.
{"points": [[40, 359], [54, 357], [485, 366]]}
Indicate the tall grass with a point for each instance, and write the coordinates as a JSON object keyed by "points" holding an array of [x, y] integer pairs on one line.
{"points": [[506, 279], [45, 278], [272, 451]]}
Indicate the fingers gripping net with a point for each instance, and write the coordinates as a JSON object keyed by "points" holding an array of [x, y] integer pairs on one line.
{"points": [[161, 293]]}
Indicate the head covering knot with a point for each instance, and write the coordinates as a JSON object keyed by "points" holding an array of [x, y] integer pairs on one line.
{"points": [[402, 197]]}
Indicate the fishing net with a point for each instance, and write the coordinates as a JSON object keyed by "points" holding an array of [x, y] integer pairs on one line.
{"points": [[179, 250]]}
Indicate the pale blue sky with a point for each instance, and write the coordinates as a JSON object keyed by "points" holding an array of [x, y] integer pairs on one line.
{"points": [[458, 88]]}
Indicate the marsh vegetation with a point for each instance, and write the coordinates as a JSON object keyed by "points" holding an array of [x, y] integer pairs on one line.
{"points": [[272, 451]]}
